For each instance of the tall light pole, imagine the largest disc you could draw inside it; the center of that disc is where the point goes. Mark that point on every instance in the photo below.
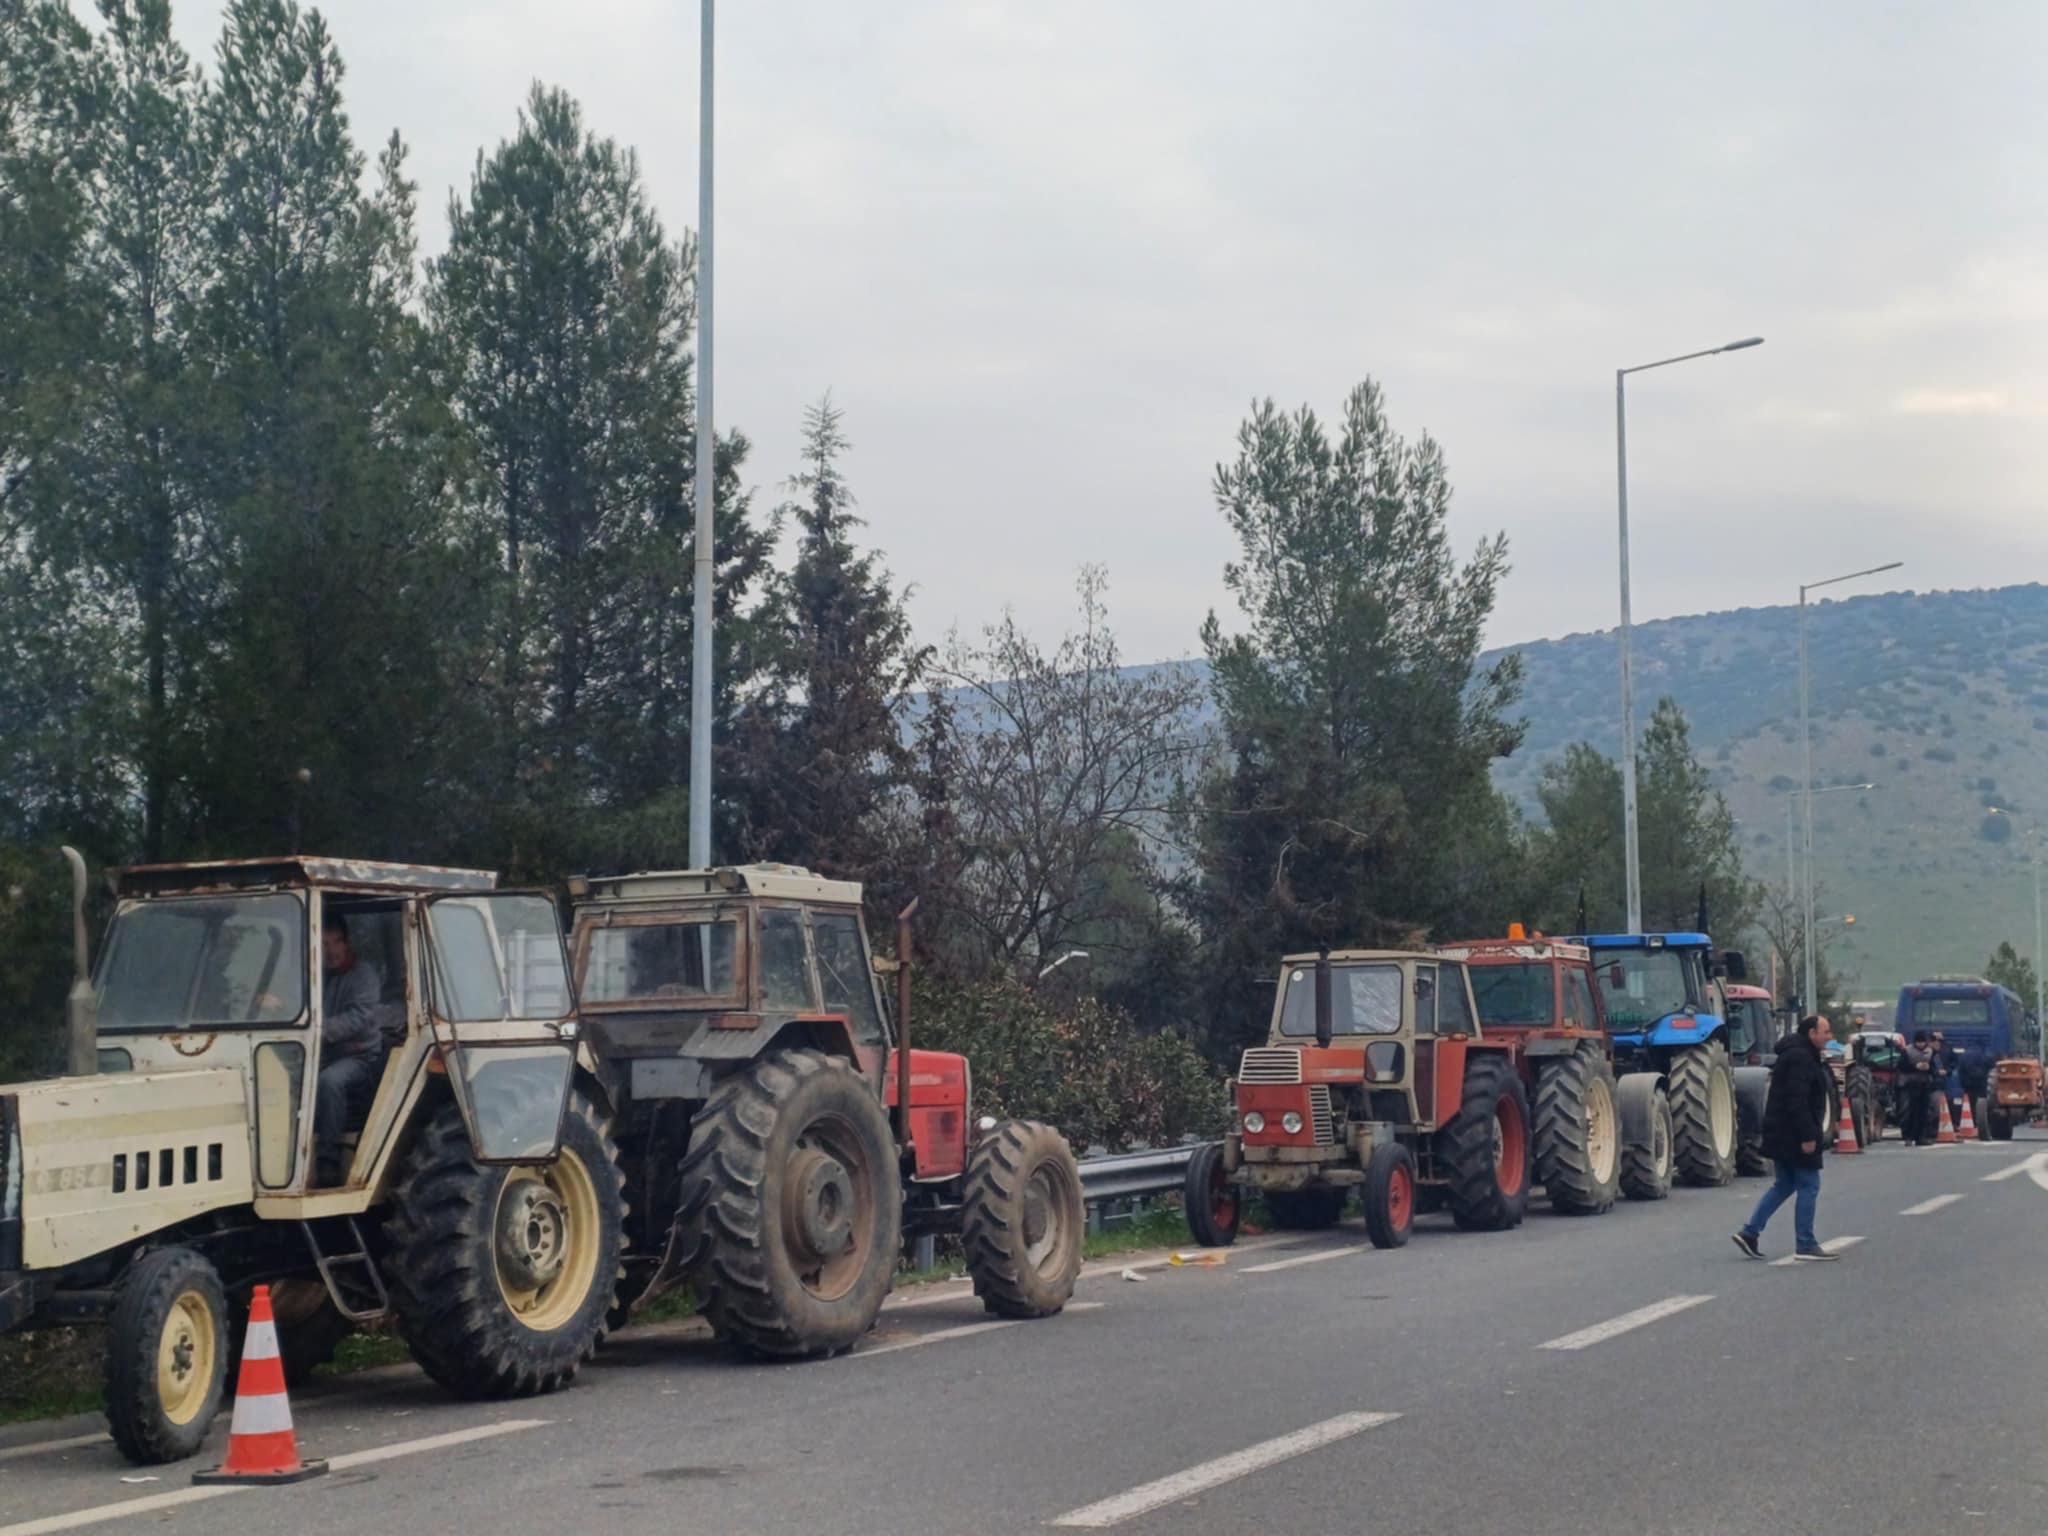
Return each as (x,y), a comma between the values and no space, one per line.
(1806,747)
(1628,682)
(705,566)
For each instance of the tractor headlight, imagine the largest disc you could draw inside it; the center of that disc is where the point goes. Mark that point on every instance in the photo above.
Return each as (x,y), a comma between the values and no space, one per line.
(1254,1122)
(1291,1123)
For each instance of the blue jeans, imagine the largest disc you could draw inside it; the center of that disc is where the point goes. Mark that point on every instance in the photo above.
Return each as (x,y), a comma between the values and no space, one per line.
(1791,1180)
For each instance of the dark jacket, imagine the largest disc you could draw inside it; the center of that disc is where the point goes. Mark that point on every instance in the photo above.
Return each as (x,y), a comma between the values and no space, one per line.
(1796,1109)
(349,1024)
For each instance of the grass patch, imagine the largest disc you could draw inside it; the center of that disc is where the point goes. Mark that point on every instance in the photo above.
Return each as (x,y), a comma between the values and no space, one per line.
(50,1374)
(1163,1228)
(366,1352)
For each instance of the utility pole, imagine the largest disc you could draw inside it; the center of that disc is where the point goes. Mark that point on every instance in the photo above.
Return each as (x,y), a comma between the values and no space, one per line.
(705,565)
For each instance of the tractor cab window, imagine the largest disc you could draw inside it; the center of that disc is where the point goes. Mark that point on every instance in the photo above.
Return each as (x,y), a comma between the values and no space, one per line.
(1453,1012)
(845,979)
(1364,1000)
(1425,1000)
(1513,994)
(191,964)
(687,962)
(1578,998)
(497,957)
(1642,986)
(785,963)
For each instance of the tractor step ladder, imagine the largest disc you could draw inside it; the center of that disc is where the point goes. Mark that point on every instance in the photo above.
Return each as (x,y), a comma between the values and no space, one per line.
(367,1282)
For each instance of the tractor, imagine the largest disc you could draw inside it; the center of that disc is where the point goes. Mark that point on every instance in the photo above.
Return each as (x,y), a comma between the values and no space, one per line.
(1668,1010)
(2012,1097)
(777,1146)
(171,1170)
(1991,1036)
(1377,1075)
(1538,994)
(1870,1083)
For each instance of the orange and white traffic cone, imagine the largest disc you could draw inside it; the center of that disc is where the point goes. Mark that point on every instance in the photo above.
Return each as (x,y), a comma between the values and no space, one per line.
(1967,1131)
(1946,1136)
(1845,1133)
(262,1446)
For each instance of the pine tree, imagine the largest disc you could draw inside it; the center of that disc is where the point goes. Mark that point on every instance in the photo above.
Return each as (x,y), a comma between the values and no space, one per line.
(823,750)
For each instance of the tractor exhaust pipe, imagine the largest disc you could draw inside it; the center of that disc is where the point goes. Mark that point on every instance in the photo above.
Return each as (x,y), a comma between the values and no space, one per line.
(81,1005)
(1323,999)
(903,1026)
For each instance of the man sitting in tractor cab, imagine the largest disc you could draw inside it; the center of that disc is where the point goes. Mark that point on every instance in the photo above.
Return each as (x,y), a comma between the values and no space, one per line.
(351,1046)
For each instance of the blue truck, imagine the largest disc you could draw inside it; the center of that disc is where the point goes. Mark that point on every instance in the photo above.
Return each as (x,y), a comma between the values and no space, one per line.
(1982,1025)
(1697,1070)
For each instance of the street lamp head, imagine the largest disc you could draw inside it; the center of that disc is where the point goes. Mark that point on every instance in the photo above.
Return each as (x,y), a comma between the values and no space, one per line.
(1747,341)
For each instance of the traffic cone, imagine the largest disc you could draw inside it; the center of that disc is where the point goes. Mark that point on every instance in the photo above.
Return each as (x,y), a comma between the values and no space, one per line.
(262,1447)
(1845,1133)
(1967,1131)
(1946,1136)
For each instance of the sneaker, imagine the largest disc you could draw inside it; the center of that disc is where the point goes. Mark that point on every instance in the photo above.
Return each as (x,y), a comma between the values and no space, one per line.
(1816,1256)
(1746,1241)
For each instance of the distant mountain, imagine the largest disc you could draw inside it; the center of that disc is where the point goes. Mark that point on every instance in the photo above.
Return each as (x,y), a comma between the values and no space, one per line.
(1941,699)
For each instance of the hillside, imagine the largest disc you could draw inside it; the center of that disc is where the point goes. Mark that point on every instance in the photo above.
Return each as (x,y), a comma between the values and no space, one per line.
(1940,699)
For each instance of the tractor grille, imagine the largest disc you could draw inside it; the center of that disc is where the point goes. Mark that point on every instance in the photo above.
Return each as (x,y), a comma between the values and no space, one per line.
(1276,1064)
(1319,1117)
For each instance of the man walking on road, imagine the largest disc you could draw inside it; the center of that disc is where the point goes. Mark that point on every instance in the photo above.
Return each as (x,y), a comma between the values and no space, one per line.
(1795,1119)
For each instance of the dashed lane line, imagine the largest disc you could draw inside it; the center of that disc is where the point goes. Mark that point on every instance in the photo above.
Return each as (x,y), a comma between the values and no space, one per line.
(151,1504)
(1628,1322)
(1212,1474)
(1828,1245)
(941,1335)
(1929,1207)
(1306,1258)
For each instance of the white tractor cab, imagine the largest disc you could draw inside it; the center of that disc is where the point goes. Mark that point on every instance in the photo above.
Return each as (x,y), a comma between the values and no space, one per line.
(155,1192)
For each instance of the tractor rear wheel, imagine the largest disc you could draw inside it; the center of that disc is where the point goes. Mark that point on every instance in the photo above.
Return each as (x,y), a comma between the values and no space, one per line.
(1484,1151)
(1210,1199)
(1646,1162)
(1703,1114)
(1021,1219)
(1304,1210)
(1752,1092)
(791,1205)
(500,1277)
(1578,1133)
(1997,1124)
(167,1355)
(1859,1086)
(1389,1195)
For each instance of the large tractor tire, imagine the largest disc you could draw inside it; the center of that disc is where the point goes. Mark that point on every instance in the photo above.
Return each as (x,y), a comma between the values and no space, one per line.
(1703,1114)
(1996,1123)
(1485,1151)
(1210,1199)
(1021,1220)
(1578,1133)
(791,1206)
(167,1356)
(1645,1155)
(501,1277)
(1389,1195)
(1304,1210)
(1859,1084)
(1752,1091)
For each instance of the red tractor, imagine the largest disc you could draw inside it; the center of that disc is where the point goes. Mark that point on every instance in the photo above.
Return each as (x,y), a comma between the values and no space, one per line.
(1539,996)
(1377,1075)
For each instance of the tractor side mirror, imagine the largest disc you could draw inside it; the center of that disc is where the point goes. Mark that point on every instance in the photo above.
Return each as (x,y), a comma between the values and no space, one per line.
(1734,967)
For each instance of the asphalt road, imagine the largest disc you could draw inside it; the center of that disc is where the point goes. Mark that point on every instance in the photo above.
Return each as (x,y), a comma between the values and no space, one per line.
(1627,1373)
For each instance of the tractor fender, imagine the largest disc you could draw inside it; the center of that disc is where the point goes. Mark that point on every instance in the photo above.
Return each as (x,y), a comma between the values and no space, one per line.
(1752,1088)
(1665,1035)
(1635,1099)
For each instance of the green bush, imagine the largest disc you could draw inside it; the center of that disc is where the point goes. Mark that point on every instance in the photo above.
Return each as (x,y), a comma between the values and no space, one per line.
(1084,1067)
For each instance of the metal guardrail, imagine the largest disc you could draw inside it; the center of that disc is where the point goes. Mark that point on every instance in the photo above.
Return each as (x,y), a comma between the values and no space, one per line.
(1132,1175)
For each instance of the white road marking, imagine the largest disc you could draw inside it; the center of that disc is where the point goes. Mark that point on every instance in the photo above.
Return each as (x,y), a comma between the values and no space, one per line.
(1210,1474)
(1600,1332)
(2026,1165)
(1929,1207)
(38,1448)
(1306,1258)
(177,1497)
(1828,1245)
(941,1335)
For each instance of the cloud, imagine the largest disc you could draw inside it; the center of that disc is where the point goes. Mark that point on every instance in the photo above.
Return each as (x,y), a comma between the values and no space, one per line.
(1955,402)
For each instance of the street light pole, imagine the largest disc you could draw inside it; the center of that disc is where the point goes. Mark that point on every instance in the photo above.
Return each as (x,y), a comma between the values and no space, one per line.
(1806,748)
(1631,846)
(705,565)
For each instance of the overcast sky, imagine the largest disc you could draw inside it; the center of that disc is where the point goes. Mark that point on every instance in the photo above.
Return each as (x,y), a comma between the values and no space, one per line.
(1044,253)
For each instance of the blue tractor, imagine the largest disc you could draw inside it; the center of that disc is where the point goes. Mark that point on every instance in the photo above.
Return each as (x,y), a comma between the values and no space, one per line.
(1670,1019)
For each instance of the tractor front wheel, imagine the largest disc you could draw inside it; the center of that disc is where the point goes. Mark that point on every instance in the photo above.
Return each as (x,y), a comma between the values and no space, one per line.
(167,1356)
(1484,1152)
(1703,1114)
(792,1206)
(1996,1123)
(500,1277)
(1578,1133)
(1021,1220)
(1646,1157)
(1859,1086)
(1389,1195)
(1210,1199)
